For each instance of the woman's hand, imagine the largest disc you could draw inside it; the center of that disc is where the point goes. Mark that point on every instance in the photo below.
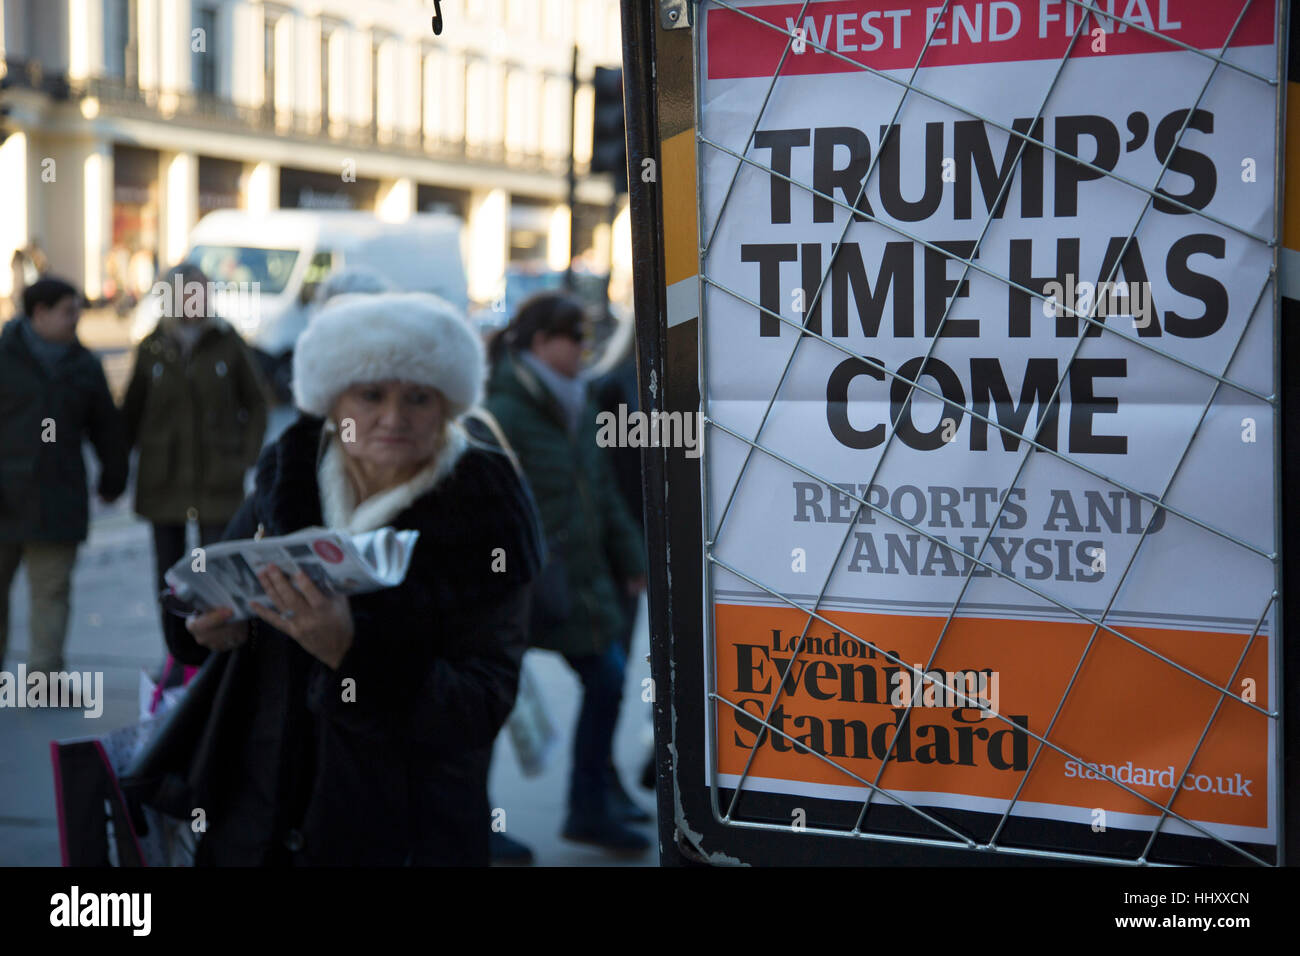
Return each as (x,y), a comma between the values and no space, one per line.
(215,631)
(322,625)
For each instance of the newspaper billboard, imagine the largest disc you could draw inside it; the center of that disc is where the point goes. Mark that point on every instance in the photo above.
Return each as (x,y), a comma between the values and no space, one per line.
(1001,542)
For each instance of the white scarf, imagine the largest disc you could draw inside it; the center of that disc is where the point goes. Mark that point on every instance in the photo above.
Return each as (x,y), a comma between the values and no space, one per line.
(338,500)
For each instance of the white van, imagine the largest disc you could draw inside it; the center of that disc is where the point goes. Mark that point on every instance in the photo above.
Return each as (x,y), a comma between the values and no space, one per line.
(288,252)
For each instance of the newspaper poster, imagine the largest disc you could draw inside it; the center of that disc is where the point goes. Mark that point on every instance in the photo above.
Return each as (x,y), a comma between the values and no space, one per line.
(1000,566)
(225,574)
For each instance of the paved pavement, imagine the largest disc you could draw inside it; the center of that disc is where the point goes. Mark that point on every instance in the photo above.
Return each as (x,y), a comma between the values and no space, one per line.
(114,629)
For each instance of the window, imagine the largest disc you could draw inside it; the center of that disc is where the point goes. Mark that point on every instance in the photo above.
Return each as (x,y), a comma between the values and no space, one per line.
(122,53)
(497,120)
(204,62)
(522,127)
(520,15)
(268,63)
(484,105)
(476,105)
(318,270)
(324,81)
(613,32)
(558,16)
(269,267)
(444,108)
(556,128)
(430,122)
(374,84)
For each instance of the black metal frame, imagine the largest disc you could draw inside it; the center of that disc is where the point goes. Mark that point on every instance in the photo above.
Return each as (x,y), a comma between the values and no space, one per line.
(667,364)
(641,125)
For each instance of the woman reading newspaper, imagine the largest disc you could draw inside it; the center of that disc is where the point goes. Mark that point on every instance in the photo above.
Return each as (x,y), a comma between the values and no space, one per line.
(358,730)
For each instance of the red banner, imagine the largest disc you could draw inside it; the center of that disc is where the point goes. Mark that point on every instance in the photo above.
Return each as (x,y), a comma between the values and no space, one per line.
(890,34)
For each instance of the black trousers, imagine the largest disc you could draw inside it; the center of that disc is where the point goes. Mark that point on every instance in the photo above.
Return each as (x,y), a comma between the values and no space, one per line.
(169,547)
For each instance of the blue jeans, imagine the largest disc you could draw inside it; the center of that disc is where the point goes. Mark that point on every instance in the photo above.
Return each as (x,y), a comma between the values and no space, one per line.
(593,738)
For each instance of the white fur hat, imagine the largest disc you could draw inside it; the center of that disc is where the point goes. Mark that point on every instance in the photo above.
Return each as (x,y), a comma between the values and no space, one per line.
(404,336)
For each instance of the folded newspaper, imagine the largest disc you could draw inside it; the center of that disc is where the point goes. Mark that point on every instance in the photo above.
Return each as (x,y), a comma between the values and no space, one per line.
(225,574)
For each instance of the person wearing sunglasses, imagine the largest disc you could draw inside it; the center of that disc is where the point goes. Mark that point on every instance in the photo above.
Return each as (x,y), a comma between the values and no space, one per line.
(538,395)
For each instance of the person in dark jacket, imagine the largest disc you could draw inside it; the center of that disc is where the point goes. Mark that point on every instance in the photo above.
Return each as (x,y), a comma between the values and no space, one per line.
(541,402)
(52,395)
(618,387)
(357,731)
(196,406)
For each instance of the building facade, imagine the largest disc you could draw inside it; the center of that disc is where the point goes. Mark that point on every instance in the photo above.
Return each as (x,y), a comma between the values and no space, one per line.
(127,120)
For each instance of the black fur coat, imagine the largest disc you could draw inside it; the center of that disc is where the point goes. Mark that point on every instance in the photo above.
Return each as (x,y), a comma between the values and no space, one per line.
(288,771)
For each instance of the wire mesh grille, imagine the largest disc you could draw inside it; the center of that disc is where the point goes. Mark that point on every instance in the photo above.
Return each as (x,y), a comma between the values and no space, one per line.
(935,826)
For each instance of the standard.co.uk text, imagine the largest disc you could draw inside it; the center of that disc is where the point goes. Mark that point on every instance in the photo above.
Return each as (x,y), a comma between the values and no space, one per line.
(1164,778)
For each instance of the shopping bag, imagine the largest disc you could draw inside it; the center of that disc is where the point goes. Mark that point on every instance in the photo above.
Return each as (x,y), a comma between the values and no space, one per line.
(532,732)
(100,825)
(95,826)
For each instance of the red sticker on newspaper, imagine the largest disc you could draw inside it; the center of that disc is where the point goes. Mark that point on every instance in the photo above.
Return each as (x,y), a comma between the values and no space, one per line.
(328,551)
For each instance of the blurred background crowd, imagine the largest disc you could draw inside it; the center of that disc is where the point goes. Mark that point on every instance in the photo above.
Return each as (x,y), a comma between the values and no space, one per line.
(275,157)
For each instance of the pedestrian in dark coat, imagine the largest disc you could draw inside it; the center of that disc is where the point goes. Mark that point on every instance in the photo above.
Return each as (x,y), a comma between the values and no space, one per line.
(582,510)
(618,387)
(539,398)
(53,394)
(358,730)
(196,407)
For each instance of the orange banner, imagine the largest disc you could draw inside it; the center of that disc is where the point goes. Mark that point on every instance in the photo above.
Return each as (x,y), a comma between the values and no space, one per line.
(1129,714)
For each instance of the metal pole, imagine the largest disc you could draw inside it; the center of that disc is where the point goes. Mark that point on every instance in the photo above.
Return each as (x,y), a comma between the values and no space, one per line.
(640,102)
(1286,351)
(573,171)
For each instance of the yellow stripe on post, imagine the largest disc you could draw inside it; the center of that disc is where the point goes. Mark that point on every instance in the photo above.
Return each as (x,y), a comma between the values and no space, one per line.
(1291,199)
(681,228)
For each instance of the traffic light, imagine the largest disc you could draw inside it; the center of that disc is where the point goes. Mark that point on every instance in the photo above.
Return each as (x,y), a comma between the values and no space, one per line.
(608,144)
(6,81)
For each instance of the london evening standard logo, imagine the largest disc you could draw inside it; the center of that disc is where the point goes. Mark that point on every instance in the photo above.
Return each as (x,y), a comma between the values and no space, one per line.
(70,689)
(75,908)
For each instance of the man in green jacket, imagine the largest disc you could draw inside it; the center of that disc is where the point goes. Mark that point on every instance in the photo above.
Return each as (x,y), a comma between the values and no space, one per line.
(196,406)
(541,402)
(52,395)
